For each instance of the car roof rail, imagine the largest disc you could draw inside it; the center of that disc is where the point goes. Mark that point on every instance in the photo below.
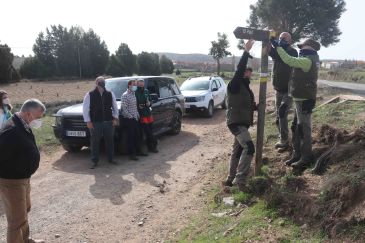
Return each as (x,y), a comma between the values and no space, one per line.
(213,76)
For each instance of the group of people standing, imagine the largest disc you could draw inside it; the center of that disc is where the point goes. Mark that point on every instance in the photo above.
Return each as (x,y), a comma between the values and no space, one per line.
(101,114)
(294,80)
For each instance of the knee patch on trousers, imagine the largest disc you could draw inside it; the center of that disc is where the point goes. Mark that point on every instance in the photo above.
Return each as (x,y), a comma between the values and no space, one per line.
(250,148)
(239,152)
(282,110)
(294,124)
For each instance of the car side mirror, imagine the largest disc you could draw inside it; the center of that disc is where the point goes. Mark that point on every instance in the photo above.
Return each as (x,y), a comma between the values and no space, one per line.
(214,89)
(153,97)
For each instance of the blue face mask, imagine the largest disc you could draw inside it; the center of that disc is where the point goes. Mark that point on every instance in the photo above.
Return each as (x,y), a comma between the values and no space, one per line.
(283,43)
(134,88)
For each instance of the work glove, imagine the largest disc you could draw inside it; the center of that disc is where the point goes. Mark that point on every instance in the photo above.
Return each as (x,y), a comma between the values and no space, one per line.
(283,43)
(274,42)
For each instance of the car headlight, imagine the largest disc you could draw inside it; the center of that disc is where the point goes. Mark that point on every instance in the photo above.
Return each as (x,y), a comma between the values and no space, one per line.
(199,98)
(58,120)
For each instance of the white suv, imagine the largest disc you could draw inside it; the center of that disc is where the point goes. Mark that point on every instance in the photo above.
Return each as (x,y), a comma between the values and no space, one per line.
(204,94)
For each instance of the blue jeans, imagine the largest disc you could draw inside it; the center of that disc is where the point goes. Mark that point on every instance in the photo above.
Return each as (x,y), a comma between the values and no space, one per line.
(106,130)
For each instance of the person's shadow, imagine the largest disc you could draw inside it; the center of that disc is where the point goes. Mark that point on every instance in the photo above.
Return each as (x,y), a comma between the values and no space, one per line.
(110,180)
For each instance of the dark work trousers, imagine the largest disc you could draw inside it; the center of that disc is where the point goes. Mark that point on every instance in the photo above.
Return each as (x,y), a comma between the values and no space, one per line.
(150,138)
(283,104)
(133,135)
(302,130)
(242,154)
(106,130)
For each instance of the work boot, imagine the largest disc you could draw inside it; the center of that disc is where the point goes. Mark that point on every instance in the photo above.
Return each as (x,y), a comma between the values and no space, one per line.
(133,157)
(141,154)
(300,164)
(94,165)
(292,160)
(111,161)
(281,144)
(227,183)
(153,150)
(36,241)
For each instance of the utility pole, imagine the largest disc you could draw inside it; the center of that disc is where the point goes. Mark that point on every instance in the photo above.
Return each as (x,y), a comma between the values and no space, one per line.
(263,36)
(78,55)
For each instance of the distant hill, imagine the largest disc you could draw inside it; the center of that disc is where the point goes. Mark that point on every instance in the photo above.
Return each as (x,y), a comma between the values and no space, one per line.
(195,58)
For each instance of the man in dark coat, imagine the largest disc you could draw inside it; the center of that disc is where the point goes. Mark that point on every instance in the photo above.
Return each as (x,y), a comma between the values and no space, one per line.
(19,160)
(241,106)
(282,74)
(146,118)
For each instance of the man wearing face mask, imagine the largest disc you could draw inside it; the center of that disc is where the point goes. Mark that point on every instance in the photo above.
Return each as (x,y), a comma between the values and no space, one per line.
(303,89)
(131,117)
(146,119)
(19,160)
(101,114)
(282,73)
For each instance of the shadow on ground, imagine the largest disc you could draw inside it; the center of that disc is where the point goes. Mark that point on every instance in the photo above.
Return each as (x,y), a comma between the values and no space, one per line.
(109,181)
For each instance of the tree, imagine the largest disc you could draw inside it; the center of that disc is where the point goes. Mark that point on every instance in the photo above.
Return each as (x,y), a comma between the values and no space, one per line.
(148,64)
(6,63)
(219,49)
(302,18)
(167,66)
(69,53)
(123,63)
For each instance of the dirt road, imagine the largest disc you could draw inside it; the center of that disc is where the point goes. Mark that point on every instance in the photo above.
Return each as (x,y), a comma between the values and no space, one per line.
(77,204)
(143,201)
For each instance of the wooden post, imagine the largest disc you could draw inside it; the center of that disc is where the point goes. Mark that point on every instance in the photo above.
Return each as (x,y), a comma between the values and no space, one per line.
(261,108)
(263,36)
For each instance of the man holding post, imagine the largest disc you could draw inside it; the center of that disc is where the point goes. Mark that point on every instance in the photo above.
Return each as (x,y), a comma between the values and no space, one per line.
(282,73)
(241,106)
(303,89)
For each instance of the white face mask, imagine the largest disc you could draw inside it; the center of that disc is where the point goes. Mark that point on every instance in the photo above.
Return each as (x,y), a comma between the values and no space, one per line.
(36,123)
(6,101)
(134,88)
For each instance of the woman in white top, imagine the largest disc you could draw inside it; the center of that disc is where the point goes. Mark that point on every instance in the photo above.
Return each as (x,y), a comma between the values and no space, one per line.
(5,108)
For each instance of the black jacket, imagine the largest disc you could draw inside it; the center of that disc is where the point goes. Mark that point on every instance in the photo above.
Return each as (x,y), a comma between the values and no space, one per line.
(241,100)
(19,155)
(101,106)
(282,73)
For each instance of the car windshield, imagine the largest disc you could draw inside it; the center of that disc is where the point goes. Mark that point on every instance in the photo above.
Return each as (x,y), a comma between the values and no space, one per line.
(117,86)
(195,85)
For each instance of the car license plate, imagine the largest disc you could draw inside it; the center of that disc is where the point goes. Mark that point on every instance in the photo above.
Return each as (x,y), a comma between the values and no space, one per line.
(187,106)
(76,133)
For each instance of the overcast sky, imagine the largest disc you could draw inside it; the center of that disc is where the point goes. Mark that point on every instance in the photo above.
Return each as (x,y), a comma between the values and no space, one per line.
(156,25)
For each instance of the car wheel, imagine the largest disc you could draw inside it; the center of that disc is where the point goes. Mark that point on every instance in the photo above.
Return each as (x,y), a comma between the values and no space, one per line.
(224,104)
(176,123)
(210,110)
(71,148)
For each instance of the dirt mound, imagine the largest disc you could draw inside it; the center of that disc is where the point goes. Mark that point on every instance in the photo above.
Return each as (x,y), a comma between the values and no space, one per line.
(335,201)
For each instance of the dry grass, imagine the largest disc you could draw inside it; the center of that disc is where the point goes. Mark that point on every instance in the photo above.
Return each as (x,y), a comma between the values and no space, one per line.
(49,92)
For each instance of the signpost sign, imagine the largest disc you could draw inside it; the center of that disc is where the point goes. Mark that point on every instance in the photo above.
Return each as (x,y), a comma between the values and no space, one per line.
(263,36)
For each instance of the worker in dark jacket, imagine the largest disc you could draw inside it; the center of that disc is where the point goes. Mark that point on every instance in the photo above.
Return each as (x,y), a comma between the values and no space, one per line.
(145,114)
(303,89)
(19,160)
(100,112)
(282,73)
(241,106)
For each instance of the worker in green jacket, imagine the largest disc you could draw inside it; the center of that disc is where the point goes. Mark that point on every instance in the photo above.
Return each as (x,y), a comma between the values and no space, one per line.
(303,89)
